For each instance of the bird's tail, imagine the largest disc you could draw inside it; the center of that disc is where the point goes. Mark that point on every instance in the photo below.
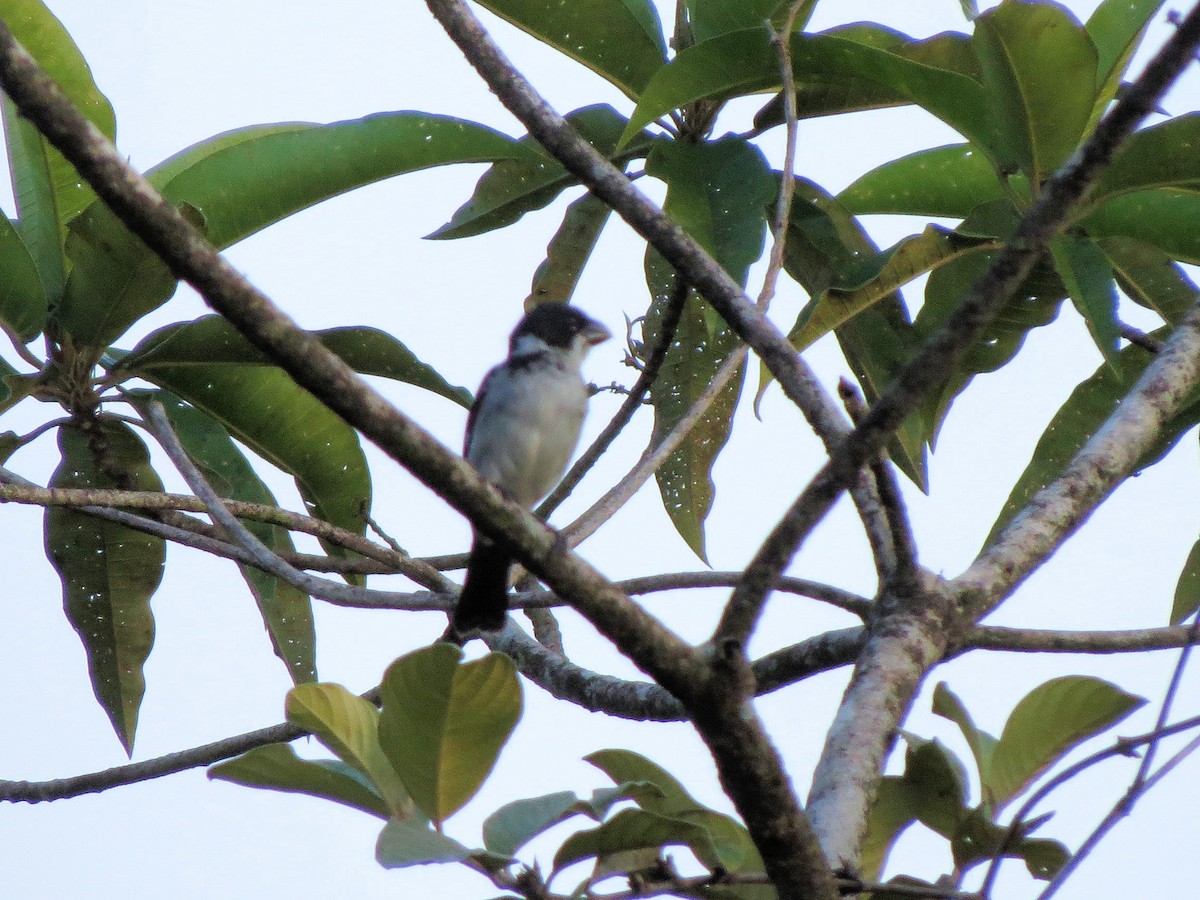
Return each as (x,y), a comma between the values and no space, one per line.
(483,603)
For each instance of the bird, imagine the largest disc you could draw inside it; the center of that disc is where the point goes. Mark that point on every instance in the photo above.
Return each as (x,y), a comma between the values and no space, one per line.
(521,433)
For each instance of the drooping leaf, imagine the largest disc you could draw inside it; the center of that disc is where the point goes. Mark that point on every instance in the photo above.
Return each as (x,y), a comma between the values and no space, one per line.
(235,187)
(946,181)
(1084,270)
(411,842)
(286,610)
(744,62)
(1165,218)
(890,815)
(1048,722)
(634,829)
(443,724)
(512,187)
(569,250)
(1039,69)
(1116,28)
(619,40)
(263,408)
(1074,424)
(513,825)
(23,300)
(718,192)
(1150,278)
(938,787)
(982,744)
(873,279)
(108,571)
(40,173)
(604,799)
(278,768)
(37,221)
(711,18)
(212,339)
(1043,857)
(349,726)
(1187,588)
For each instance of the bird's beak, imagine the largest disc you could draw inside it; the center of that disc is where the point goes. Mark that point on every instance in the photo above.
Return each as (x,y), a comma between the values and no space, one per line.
(595,333)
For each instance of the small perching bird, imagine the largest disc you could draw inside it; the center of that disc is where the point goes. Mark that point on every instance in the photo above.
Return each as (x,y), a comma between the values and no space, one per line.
(521,433)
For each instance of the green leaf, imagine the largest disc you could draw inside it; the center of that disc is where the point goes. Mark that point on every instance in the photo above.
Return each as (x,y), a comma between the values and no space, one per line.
(1167,219)
(719,193)
(634,829)
(349,726)
(946,181)
(264,409)
(1039,69)
(1164,155)
(1187,589)
(23,301)
(48,42)
(512,187)
(278,768)
(1085,271)
(712,18)
(1049,722)
(871,280)
(619,40)
(982,744)
(1073,425)
(1150,278)
(569,250)
(1116,28)
(212,339)
(938,787)
(822,241)
(1043,857)
(603,799)
(38,222)
(237,186)
(744,62)
(443,724)
(108,572)
(890,815)
(286,610)
(411,842)
(625,767)
(513,825)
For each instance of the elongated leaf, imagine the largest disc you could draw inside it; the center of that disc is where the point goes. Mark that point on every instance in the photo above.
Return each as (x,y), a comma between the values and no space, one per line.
(286,610)
(412,842)
(1150,278)
(513,825)
(625,766)
(212,339)
(620,40)
(1116,28)
(278,768)
(1084,269)
(938,785)
(719,193)
(236,185)
(1039,67)
(443,724)
(946,181)
(1165,218)
(744,62)
(268,412)
(982,744)
(1187,589)
(23,300)
(512,187)
(1164,155)
(1072,426)
(108,572)
(1048,722)
(634,829)
(890,815)
(35,169)
(569,250)
(871,280)
(711,18)
(38,222)
(349,726)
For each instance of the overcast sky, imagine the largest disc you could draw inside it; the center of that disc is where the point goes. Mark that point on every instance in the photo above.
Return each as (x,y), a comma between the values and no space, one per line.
(179,72)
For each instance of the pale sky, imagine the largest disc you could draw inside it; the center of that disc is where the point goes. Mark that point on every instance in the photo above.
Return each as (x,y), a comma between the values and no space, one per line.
(179,72)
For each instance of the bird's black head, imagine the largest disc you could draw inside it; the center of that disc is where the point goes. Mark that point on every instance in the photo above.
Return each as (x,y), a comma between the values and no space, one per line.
(559,326)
